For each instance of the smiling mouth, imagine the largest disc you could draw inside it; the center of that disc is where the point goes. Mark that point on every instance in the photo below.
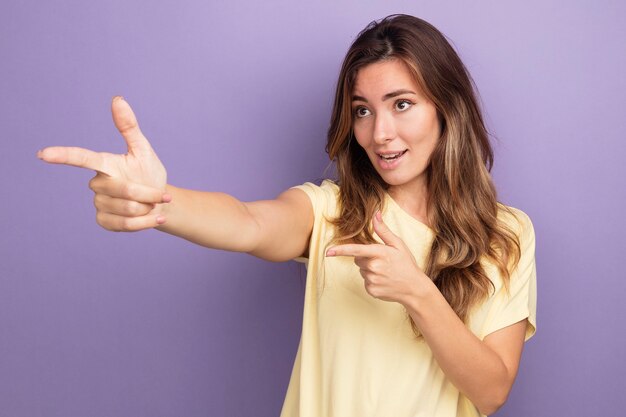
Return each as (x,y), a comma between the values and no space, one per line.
(392,157)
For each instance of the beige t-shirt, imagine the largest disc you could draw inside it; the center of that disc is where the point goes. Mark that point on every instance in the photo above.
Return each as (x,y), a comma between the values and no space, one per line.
(358,356)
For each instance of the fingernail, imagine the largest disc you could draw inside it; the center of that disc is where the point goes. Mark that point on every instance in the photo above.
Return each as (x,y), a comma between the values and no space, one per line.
(167,198)
(118,98)
(160,219)
(379,216)
(330,252)
(40,154)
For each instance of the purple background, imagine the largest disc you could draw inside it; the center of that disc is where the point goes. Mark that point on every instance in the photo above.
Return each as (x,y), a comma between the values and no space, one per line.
(235,97)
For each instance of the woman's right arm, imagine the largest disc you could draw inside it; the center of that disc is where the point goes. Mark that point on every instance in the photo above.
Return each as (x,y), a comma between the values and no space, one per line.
(276,230)
(131,193)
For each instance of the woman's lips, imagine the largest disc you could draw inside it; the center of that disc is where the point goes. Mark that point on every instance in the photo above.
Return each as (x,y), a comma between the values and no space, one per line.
(391,163)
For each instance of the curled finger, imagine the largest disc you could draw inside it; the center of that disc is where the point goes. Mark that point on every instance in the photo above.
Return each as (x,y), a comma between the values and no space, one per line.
(117,223)
(121,207)
(113,187)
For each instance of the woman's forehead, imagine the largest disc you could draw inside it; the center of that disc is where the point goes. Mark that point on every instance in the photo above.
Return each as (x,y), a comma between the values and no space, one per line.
(382,77)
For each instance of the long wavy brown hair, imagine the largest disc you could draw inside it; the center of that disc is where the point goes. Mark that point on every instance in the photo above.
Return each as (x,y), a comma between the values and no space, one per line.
(462,204)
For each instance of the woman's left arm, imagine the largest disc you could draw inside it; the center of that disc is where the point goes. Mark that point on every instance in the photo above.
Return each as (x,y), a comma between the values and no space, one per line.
(483,370)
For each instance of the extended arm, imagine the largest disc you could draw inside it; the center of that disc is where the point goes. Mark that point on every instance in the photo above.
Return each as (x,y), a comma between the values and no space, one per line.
(275,230)
(131,193)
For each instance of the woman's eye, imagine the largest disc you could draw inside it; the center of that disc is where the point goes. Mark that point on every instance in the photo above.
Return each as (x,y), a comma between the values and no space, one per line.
(403,105)
(361,112)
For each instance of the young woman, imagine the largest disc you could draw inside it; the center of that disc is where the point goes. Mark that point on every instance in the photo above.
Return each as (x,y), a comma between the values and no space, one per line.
(420,285)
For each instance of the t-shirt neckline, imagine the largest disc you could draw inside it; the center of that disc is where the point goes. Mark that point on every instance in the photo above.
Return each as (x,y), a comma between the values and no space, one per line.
(410,218)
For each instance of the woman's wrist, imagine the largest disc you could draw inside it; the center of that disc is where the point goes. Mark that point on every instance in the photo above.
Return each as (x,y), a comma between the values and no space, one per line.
(422,290)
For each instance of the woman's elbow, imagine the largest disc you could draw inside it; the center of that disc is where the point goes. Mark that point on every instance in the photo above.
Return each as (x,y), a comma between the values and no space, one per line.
(495,401)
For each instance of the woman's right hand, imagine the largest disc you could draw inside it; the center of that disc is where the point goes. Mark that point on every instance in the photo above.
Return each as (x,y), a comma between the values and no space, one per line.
(129,189)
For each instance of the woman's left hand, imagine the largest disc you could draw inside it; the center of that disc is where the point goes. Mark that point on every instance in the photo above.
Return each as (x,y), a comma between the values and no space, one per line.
(389,270)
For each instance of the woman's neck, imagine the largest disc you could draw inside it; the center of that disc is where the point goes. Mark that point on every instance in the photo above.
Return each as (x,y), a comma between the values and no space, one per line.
(413,200)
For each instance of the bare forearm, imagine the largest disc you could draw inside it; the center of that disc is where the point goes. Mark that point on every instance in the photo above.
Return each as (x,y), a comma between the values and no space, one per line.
(472,366)
(212,219)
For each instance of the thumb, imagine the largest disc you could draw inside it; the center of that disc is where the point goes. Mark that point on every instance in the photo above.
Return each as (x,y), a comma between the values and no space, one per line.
(126,122)
(387,236)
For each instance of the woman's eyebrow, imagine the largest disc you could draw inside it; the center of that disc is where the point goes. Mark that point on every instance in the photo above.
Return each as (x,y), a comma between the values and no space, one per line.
(386,96)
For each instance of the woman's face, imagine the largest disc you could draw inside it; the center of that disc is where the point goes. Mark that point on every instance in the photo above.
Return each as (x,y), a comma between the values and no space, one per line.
(395,124)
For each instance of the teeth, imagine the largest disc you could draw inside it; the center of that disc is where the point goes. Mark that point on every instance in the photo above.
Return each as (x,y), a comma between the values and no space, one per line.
(391,156)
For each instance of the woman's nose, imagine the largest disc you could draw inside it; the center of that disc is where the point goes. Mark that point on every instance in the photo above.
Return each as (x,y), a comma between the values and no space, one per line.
(384,129)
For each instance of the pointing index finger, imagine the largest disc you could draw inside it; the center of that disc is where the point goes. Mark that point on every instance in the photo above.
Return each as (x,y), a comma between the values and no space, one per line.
(78,157)
(367,251)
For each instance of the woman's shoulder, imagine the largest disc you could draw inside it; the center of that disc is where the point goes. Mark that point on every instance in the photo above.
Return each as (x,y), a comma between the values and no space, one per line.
(516,219)
(326,189)
(324,196)
(330,186)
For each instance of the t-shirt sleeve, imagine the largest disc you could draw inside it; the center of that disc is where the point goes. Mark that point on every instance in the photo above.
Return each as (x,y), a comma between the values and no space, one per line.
(319,196)
(520,302)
